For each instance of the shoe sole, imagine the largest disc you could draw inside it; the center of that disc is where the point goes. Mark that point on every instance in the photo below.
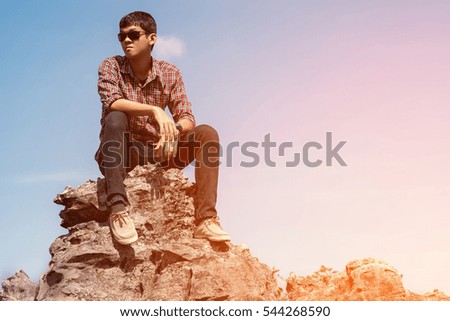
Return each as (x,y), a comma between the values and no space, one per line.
(213,239)
(127,241)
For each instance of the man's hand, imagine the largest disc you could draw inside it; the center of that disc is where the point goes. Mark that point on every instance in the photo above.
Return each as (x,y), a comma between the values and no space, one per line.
(166,147)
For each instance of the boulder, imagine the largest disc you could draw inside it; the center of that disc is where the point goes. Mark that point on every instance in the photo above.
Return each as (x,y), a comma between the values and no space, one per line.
(18,288)
(372,279)
(166,263)
(365,279)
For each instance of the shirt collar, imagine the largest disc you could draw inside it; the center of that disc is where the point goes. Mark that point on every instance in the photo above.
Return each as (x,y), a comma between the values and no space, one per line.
(156,69)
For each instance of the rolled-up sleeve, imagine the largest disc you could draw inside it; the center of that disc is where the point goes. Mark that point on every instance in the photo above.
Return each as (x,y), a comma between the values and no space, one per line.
(179,104)
(108,83)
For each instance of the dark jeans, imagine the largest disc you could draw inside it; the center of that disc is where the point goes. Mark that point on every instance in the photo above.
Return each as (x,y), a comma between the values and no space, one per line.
(117,156)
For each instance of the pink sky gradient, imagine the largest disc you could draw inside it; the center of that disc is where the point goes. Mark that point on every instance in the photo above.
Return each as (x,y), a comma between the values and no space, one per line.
(385,90)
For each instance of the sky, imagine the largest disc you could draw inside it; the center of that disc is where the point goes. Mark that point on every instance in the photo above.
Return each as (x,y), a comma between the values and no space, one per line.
(374,74)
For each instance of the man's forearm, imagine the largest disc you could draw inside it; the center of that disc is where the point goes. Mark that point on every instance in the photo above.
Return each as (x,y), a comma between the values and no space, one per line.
(186,124)
(132,108)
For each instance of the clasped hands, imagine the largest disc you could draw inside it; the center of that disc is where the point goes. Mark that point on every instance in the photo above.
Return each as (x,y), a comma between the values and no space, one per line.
(166,148)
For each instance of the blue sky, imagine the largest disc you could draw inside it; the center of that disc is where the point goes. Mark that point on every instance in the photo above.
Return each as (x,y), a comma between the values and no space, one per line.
(375,74)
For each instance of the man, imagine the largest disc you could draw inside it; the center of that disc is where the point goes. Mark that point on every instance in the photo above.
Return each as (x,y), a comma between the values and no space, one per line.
(134,90)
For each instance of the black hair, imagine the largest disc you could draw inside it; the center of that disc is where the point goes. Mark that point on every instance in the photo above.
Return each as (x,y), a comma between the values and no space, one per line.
(140,19)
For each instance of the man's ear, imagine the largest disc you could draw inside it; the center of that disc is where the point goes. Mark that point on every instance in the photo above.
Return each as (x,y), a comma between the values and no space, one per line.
(152,39)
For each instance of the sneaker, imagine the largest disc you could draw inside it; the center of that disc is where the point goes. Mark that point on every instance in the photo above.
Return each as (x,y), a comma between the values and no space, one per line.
(122,228)
(211,230)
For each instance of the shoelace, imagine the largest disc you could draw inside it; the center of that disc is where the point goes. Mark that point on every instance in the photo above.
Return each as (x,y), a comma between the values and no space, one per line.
(215,220)
(119,217)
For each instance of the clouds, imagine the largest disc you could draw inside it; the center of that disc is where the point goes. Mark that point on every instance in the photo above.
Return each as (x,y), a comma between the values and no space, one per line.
(167,47)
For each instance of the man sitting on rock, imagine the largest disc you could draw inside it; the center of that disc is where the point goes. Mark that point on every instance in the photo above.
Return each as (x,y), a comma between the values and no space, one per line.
(134,90)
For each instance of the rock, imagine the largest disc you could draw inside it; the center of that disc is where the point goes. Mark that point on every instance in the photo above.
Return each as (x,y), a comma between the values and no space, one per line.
(365,279)
(83,204)
(323,285)
(436,295)
(18,288)
(373,279)
(166,263)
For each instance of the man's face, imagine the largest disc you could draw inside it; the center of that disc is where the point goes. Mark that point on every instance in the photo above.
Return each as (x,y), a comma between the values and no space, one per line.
(135,42)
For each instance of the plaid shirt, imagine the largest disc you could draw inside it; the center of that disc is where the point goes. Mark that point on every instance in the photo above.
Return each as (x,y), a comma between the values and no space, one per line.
(163,88)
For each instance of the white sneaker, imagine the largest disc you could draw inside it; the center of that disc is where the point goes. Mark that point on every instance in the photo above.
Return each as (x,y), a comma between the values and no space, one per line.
(122,228)
(211,230)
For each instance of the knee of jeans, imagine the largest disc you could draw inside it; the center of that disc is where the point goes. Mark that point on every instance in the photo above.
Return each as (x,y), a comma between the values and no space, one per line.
(116,120)
(208,132)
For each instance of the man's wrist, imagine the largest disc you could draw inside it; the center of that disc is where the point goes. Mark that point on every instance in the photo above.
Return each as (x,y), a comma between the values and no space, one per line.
(152,110)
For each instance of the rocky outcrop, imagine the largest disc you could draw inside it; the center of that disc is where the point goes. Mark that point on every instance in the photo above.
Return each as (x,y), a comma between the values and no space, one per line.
(365,279)
(166,263)
(18,288)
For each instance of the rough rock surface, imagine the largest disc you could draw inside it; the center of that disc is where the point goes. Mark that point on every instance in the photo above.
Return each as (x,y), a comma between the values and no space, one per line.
(18,288)
(365,279)
(166,263)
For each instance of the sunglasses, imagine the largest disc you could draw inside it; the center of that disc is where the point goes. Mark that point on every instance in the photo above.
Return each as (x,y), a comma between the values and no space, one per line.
(133,35)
